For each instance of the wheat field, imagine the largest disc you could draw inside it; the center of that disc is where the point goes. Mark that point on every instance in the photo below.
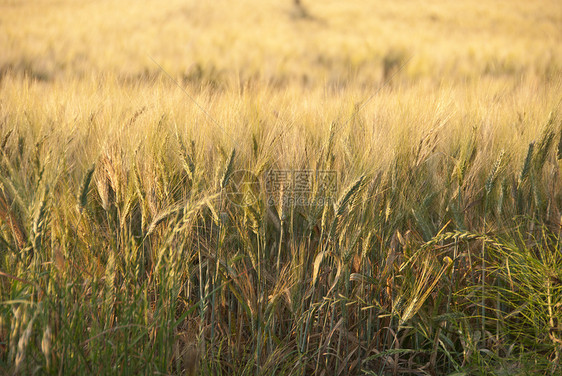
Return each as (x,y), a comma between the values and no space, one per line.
(280,187)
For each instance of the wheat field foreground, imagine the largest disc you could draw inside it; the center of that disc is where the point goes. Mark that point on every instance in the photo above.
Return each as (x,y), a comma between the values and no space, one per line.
(280,187)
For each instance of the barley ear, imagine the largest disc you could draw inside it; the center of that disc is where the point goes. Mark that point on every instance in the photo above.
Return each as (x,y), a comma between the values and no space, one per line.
(543,147)
(559,148)
(344,201)
(255,146)
(141,194)
(83,192)
(162,217)
(5,139)
(187,161)
(229,169)
(39,220)
(527,164)
(490,181)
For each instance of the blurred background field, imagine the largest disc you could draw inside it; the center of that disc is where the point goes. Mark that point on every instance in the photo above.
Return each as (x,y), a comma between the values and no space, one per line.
(123,125)
(332,43)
